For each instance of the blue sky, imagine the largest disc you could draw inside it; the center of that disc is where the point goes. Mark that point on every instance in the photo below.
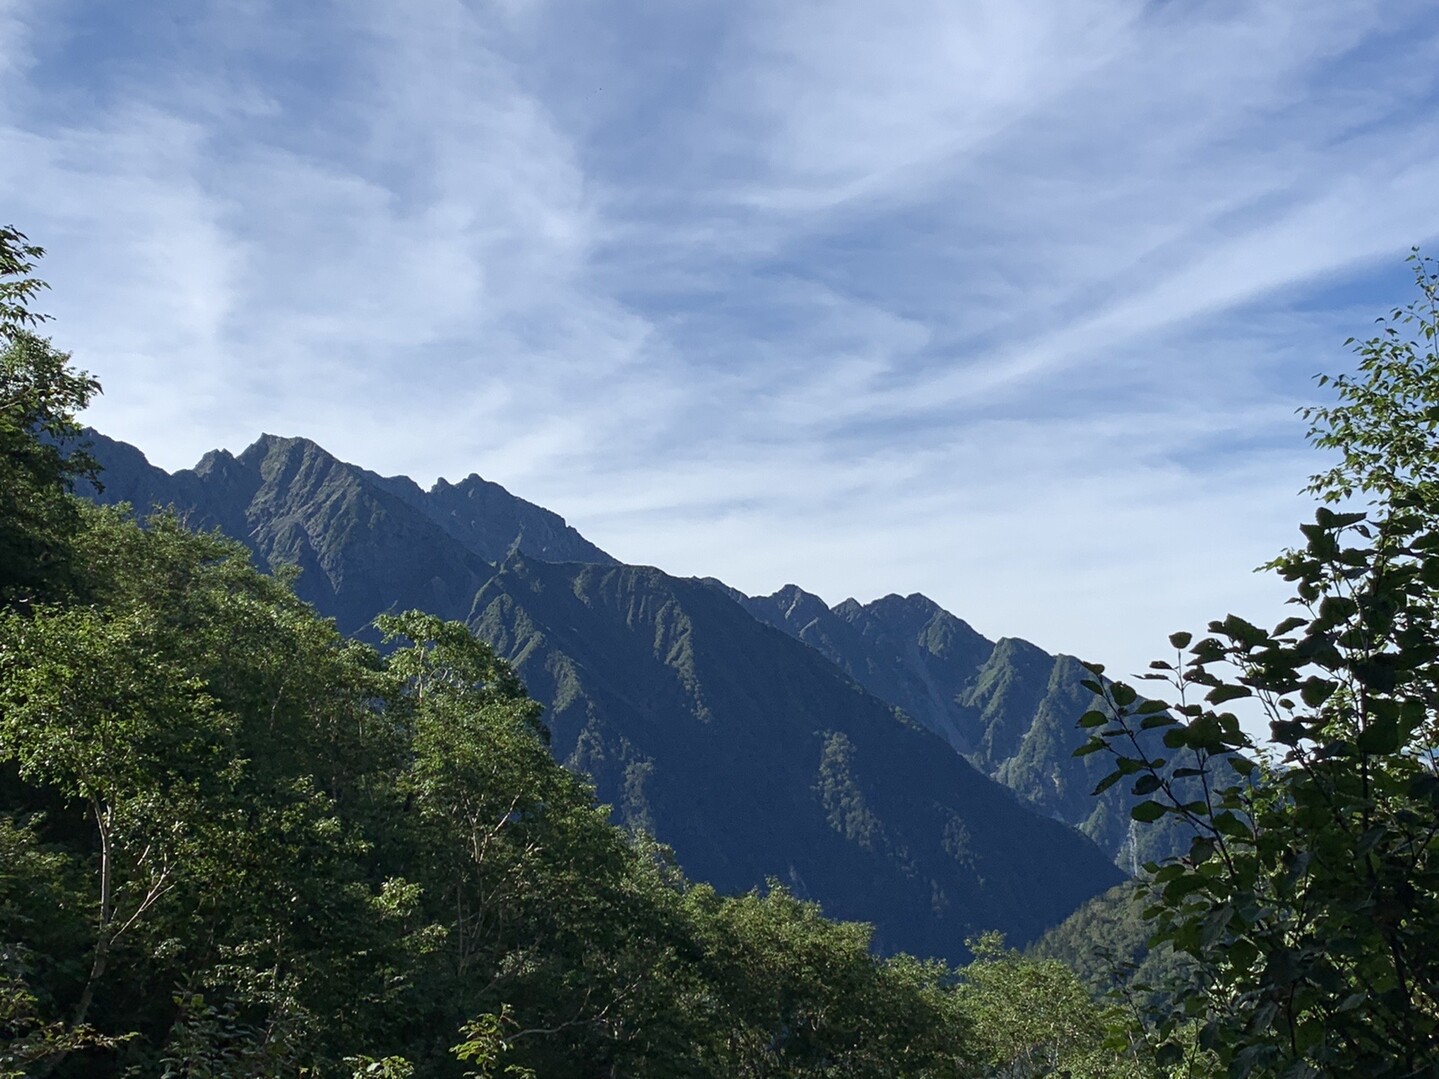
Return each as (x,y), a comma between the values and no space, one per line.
(1010,303)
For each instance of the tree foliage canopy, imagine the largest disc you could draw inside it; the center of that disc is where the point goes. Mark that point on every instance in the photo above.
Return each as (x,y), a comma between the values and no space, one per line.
(40,393)
(1309,898)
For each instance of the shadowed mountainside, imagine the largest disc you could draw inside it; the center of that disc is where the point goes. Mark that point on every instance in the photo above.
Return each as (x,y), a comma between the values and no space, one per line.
(1008,707)
(364,543)
(753,754)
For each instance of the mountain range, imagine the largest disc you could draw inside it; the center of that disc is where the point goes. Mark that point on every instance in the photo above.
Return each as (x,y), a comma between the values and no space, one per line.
(883,758)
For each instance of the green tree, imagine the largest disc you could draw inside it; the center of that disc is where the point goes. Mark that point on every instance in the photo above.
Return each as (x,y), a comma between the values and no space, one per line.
(40,394)
(193,761)
(791,993)
(1034,1017)
(1309,898)
(1105,942)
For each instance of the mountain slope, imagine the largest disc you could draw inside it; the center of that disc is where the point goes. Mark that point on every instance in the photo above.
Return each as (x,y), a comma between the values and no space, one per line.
(911,653)
(749,752)
(753,756)
(360,549)
(367,543)
(1009,707)
(488,520)
(364,543)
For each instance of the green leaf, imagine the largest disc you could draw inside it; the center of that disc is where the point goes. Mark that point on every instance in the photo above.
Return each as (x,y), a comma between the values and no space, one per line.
(1228,823)
(1169,1055)
(1209,650)
(1424,787)
(1105,783)
(1371,838)
(1147,784)
(1380,737)
(1246,633)
(1328,519)
(1288,626)
(1221,694)
(1314,691)
(1177,737)
(1429,572)
(1334,609)
(1377,673)
(1148,812)
(1177,889)
(1287,732)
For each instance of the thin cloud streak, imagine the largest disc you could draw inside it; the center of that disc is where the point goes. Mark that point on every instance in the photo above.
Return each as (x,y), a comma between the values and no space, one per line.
(977,300)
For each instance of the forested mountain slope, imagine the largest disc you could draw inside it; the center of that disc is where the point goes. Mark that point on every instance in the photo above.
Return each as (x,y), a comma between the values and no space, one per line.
(751,754)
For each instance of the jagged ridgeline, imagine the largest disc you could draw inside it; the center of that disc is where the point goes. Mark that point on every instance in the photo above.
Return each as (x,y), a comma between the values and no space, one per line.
(756,744)
(1006,706)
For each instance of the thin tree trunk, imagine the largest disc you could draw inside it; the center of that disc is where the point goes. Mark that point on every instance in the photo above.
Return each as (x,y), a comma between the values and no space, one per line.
(102,934)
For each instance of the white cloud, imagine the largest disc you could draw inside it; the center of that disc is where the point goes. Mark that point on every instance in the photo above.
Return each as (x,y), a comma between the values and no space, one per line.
(850,99)
(1008,303)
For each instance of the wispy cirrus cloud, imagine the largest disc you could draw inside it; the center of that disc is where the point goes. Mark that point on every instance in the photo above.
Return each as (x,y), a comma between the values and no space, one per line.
(1008,303)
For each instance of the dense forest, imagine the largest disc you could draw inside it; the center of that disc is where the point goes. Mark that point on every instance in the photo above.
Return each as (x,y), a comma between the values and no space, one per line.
(237,842)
